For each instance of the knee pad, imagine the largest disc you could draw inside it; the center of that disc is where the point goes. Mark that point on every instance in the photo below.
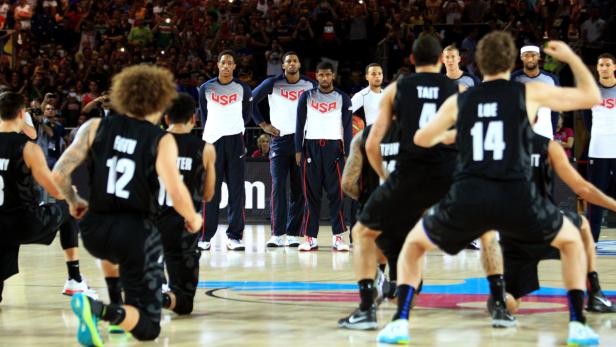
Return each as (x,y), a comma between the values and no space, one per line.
(183,304)
(146,329)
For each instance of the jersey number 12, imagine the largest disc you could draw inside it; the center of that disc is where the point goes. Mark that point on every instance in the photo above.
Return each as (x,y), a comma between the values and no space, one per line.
(493,140)
(116,186)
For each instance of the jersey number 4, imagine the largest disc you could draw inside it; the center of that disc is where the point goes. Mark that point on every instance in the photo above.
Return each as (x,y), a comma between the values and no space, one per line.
(1,191)
(117,186)
(428,111)
(493,140)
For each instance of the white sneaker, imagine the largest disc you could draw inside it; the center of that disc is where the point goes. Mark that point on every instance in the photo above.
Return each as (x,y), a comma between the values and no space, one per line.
(235,245)
(275,241)
(292,241)
(338,244)
(71,287)
(395,333)
(204,245)
(581,335)
(309,245)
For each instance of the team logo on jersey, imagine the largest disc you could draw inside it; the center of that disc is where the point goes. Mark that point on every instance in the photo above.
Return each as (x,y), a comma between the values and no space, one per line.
(291,94)
(224,99)
(323,107)
(608,103)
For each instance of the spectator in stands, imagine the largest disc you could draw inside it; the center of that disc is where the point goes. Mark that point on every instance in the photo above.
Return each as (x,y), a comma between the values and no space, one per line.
(51,135)
(565,137)
(263,147)
(592,33)
(91,94)
(23,15)
(140,34)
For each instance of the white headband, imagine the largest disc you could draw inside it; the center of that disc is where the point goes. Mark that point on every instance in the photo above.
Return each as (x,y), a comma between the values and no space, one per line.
(534,49)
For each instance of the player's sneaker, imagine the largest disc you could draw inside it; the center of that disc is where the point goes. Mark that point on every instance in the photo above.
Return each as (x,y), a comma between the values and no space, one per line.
(501,318)
(292,241)
(204,245)
(72,287)
(475,245)
(275,241)
(339,245)
(581,335)
(235,245)
(395,333)
(310,244)
(360,320)
(379,285)
(597,302)
(87,333)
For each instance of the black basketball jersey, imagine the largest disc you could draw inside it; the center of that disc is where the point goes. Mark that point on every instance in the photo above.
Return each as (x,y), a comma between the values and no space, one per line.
(190,164)
(18,189)
(417,99)
(494,134)
(542,171)
(122,166)
(390,147)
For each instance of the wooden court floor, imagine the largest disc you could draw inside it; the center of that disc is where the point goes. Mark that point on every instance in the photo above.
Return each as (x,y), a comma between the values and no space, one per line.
(281,297)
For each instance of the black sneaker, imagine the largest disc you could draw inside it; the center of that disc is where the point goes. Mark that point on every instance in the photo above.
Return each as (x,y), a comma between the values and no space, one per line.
(501,318)
(597,302)
(360,320)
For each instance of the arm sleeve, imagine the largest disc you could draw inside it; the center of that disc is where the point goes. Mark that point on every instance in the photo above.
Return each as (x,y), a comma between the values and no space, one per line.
(301,121)
(264,89)
(347,122)
(247,104)
(202,105)
(357,101)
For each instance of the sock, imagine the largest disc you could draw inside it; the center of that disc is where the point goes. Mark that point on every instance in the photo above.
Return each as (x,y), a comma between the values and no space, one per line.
(111,313)
(405,294)
(366,293)
(73,270)
(592,282)
(497,289)
(114,287)
(382,267)
(166,300)
(576,306)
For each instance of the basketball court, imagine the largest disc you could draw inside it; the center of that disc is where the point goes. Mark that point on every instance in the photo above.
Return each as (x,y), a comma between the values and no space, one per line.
(281,297)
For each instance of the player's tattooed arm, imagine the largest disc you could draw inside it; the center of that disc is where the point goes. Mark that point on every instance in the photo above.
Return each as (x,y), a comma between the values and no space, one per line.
(491,255)
(74,155)
(352,168)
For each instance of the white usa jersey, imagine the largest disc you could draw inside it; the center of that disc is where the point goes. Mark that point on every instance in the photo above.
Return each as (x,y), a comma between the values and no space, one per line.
(543,126)
(224,108)
(603,132)
(370,101)
(282,97)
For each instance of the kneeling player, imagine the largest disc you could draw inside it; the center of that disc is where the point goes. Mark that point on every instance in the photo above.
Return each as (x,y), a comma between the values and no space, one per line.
(521,270)
(196,165)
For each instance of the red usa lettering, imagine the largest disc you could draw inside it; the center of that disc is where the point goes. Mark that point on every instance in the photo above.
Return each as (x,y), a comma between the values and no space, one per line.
(291,94)
(323,107)
(224,99)
(608,103)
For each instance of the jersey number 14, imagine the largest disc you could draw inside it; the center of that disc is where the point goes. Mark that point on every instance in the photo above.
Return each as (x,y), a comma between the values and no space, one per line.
(493,140)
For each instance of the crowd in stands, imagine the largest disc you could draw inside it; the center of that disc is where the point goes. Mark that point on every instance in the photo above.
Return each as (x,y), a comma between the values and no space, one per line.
(68,50)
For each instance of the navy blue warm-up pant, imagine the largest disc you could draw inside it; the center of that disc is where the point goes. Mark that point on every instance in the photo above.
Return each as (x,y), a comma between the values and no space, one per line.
(602,173)
(322,165)
(282,165)
(230,153)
